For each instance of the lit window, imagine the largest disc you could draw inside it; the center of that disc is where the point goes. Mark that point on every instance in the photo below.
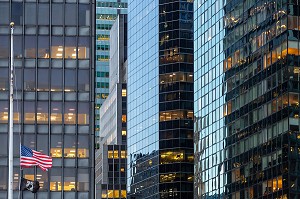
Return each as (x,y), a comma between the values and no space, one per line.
(116,154)
(123,154)
(124,92)
(110,154)
(123,118)
(56,152)
(123,132)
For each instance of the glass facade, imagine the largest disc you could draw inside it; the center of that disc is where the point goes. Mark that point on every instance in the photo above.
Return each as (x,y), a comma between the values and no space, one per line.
(112,153)
(53,95)
(208,99)
(260,89)
(160,99)
(106,14)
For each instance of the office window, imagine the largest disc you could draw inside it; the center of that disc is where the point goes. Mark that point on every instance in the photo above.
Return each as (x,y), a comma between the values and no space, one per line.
(30,47)
(4,46)
(69,144)
(55,179)
(57,14)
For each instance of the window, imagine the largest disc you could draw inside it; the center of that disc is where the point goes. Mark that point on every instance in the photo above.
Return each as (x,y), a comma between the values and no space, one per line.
(56,113)
(110,154)
(69,144)
(84,15)
(124,118)
(56,146)
(29,112)
(70,49)
(43,47)
(83,146)
(70,10)
(55,179)
(43,14)
(30,47)
(124,92)
(42,112)
(69,179)
(123,154)
(57,47)
(30,13)
(57,14)
(56,79)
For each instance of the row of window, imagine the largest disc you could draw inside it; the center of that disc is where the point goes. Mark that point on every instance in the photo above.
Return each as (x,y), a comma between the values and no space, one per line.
(102,47)
(175,115)
(40,47)
(40,14)
(43,118)
(47,80)
(102,58)
(175,77)
(115,154)
(100,96)
(106,16)
(113,194)
(103,26)
(111,4)
(102,74)
(102,85)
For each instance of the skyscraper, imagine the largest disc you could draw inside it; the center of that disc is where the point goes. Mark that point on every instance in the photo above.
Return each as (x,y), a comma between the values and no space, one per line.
(257,119)
(111,155)
(160,99)
(53,111)
(208,99)
(106,14)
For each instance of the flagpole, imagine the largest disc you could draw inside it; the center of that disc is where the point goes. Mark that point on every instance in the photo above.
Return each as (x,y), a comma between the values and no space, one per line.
(11,116)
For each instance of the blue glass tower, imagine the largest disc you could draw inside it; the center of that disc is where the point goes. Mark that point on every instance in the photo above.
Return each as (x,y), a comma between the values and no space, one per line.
(160,99)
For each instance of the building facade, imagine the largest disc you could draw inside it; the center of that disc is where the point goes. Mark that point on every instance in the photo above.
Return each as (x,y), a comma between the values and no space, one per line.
(208,99)
(258,157)
(106,14)
(111,155)
(53,95)
(160,99)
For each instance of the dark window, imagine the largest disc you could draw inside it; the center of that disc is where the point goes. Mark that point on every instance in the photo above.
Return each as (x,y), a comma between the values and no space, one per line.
(56,80)
(4,13)
(83,80)
(30,13)
(29,79)
(17,13)
(70,14)
(4,46)
(84,15)
(30,46)
(57,14)
(43,79)
(43,14)
(70,80)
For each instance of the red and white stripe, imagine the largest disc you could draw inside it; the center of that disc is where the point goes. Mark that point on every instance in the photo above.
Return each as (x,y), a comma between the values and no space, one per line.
(38,159)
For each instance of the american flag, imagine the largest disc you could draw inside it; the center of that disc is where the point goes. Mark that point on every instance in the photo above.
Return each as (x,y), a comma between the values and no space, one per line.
(29,158)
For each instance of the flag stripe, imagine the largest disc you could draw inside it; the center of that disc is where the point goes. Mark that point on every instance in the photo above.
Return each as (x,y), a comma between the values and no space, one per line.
(29,158)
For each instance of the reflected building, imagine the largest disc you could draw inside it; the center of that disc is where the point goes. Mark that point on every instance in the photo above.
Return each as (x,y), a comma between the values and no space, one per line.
(260,88)
(106,14)
(160,99)
(111,156)
(53,94)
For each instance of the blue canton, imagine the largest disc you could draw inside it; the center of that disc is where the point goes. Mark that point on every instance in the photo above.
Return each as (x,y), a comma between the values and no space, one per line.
(25,151)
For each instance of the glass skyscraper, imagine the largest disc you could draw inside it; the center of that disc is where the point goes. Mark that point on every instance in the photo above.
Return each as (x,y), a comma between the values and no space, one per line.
(106,14)
(160,99)
(53,95)
(248,106)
